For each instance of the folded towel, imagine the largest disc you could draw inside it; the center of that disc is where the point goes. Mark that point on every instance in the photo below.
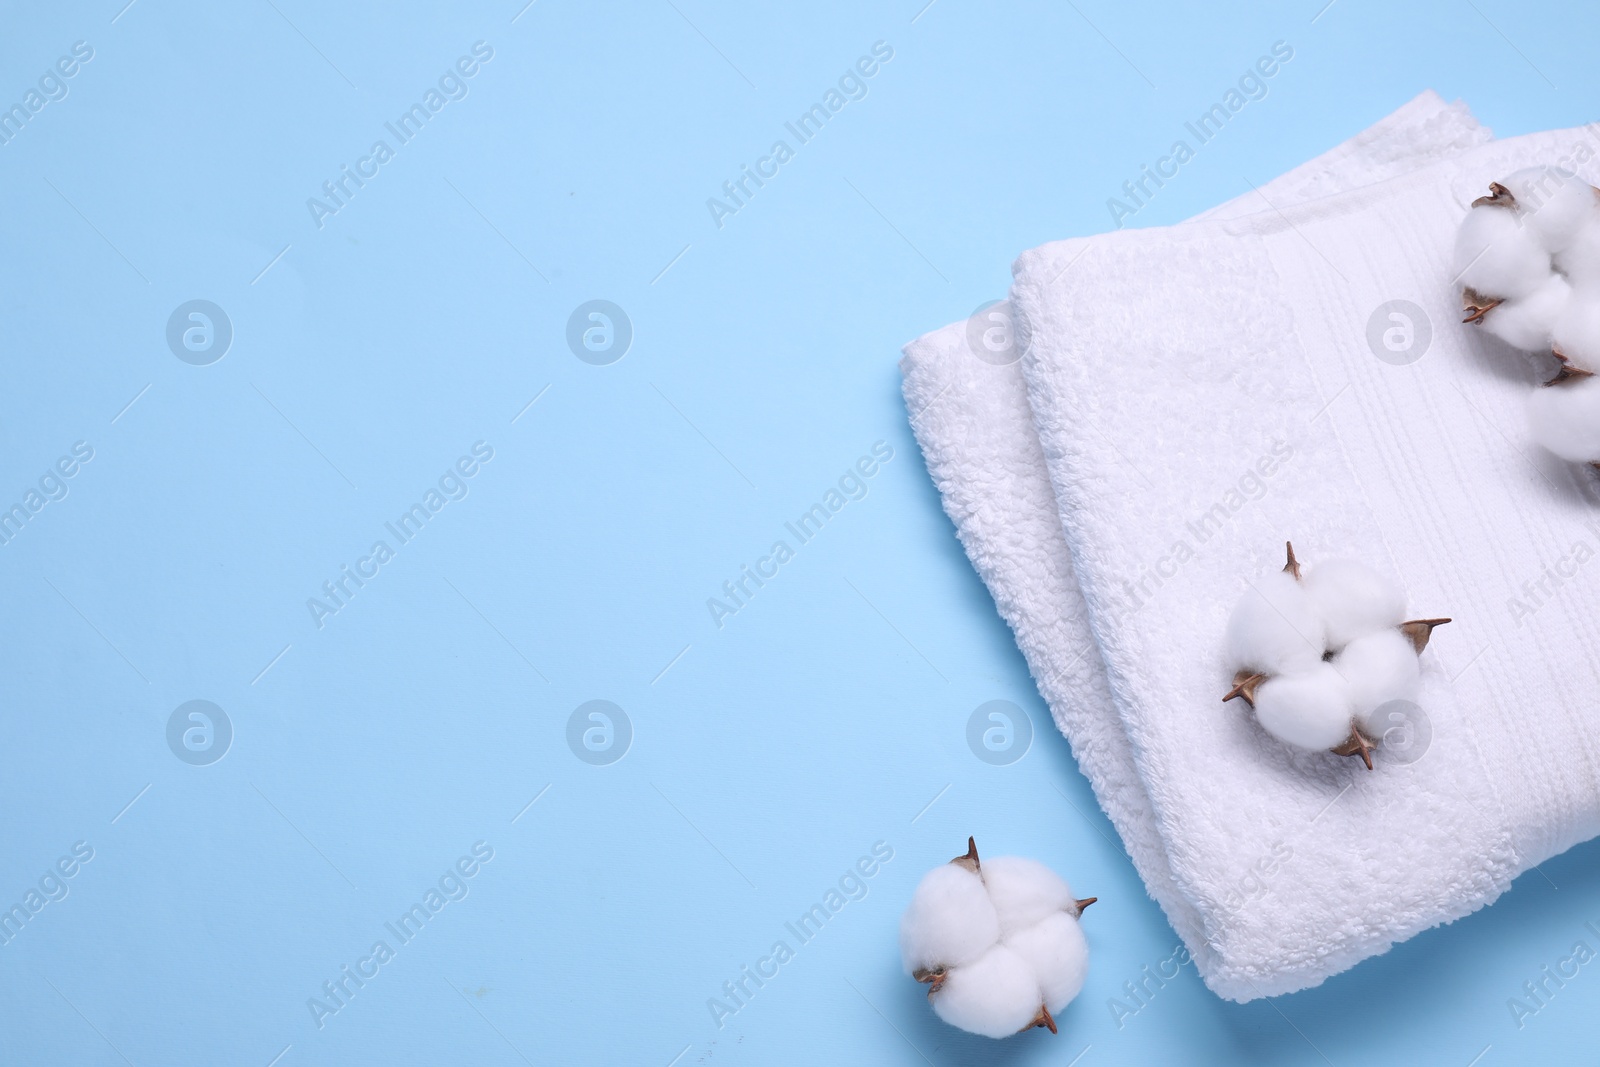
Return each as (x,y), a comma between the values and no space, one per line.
(974,426)
(1205,392)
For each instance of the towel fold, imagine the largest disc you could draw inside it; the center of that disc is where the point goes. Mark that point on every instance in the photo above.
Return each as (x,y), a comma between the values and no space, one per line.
(1201,394)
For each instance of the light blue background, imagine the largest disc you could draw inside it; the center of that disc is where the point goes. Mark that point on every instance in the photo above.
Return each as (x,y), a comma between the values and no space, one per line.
(823,717)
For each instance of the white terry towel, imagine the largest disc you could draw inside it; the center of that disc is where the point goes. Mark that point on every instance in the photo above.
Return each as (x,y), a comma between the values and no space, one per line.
(975,429)
(1205,392)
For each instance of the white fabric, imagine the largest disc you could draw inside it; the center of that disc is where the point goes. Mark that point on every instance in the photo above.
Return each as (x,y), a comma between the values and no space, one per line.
(1164,365)
(1424,470)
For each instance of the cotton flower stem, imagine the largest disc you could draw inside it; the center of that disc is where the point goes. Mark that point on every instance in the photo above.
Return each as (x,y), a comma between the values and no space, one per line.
(1293,566)
(1245,685)
(1041,1019)
(1569,371)
(1418,631)
(1085,902)
(970,860)
(934,978)
(1358,745)
(1476,305)
(1501,197)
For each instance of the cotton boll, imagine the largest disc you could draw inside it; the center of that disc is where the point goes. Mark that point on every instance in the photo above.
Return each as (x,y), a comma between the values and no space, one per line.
(1312,709)
(1274,628)
(979,978)
(996,995)
(1496,257)
(1058,954)
(950,921)
(1554,207)
(1024,891)
(1353,599)
(1529,322)
(1566,419)
(1379,667)
(1577,330)
(1371,653)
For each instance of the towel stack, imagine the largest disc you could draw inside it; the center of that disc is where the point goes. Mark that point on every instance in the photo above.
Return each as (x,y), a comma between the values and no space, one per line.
(1178,403)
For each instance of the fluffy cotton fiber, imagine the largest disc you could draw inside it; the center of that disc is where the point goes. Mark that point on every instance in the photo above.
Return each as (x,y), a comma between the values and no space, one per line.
(999,943)
(950,922)
(1530,323)
(1378,667)
(1553,206)
(1565,419)
(1495,256)
(1352,599)
(1275,629)
(997,995)
(1576,332)
(1308,709)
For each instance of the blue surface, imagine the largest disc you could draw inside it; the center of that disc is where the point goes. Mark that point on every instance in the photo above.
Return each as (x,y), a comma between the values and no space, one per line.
(371,753)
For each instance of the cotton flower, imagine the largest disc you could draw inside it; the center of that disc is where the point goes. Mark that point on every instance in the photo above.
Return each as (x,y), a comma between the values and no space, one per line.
(998,943)
(1365,655)
(1528,259)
